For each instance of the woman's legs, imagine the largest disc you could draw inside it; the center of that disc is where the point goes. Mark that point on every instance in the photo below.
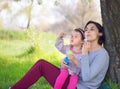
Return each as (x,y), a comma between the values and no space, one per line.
(73,82)
(40,68)
(61,79)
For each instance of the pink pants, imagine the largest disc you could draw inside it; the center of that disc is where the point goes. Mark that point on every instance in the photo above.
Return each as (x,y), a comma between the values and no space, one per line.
(62,78)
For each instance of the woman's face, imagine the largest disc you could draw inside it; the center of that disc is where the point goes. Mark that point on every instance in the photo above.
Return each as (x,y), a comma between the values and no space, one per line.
(76,38)
(92,33)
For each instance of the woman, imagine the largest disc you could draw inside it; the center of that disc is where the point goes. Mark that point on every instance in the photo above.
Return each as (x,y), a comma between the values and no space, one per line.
(94,63)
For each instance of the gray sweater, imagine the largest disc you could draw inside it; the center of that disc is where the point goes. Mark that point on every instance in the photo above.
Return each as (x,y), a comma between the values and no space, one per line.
(93,67)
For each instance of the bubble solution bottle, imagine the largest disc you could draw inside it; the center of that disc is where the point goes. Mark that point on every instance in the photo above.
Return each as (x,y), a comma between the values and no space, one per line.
(66,59)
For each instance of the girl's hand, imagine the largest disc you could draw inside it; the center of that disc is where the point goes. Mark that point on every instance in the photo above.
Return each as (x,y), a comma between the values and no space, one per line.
(86,47)
(62,34)
(63,65)
(73,59)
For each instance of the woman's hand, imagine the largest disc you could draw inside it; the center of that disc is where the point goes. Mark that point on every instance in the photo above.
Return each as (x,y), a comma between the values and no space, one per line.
(86,47)
(63,65)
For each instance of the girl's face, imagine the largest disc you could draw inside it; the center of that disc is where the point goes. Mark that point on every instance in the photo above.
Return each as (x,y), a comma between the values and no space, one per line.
(76,38)
(92,33)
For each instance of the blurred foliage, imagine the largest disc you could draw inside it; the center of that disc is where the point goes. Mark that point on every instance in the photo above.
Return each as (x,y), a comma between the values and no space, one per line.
(1,25)
(112,84)
(4,6)
(39,2)
(19,53)
(72,15)
(17,0)
(12,35)
(56,2)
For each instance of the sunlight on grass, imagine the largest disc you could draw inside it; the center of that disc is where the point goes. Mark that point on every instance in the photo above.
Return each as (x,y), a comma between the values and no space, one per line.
(18,52)
(14,47)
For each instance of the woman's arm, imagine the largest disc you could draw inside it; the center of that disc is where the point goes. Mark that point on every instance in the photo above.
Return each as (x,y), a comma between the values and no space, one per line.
(99,64)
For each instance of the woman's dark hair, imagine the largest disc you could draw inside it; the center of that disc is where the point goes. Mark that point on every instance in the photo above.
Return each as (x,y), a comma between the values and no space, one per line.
(80,31)
(100,28)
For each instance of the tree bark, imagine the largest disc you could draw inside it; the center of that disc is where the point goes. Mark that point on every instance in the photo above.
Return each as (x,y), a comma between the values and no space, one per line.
(110,10)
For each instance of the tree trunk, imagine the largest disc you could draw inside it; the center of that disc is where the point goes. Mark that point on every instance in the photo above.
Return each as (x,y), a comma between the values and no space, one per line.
(110,10)
(30,14)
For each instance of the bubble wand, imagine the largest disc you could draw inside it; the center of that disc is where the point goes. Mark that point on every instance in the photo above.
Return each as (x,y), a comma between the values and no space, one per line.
(85,40)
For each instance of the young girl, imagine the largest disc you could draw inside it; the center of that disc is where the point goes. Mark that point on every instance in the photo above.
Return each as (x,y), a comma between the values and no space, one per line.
(71,70)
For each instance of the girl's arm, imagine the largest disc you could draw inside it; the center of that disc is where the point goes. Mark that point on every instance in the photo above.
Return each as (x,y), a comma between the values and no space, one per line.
(59,44)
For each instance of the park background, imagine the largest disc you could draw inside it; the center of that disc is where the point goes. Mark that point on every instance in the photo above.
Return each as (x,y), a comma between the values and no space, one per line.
(28,29)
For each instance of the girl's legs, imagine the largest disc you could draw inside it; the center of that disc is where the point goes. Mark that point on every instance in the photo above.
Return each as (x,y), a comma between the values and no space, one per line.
(61,79)
(40,68)
(73,82)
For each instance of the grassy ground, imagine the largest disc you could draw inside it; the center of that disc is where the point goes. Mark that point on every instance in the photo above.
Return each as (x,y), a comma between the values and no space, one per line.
(19,50)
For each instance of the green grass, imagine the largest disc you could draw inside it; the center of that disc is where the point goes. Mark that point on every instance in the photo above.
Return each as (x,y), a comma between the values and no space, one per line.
(112,84)
(11,35)
(19,50)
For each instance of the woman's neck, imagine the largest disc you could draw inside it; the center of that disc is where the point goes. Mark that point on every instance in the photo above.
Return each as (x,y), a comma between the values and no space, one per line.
(95,46)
